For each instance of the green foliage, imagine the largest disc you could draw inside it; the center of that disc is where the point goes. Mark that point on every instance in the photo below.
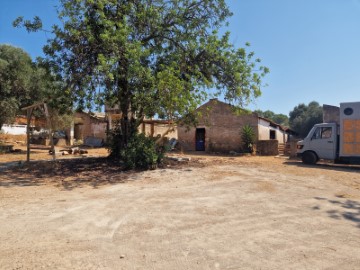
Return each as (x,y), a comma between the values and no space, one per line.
(280,119)
(8,109)
(23,83)
(16,77)
(60,121)
(50,88)
(141,151)
(247,138)
(31,26)
(304,117)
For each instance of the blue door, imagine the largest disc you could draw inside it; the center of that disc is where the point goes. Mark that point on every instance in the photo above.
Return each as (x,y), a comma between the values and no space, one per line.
(200,139)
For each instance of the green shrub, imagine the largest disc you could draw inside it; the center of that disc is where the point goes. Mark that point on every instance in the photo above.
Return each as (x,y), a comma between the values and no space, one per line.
(140,151)
(248,138)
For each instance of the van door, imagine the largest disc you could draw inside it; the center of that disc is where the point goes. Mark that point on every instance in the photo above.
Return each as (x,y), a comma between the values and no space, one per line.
(323,142)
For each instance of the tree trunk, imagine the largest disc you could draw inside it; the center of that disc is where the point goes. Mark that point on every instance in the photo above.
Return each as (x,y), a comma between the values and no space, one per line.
(127,125)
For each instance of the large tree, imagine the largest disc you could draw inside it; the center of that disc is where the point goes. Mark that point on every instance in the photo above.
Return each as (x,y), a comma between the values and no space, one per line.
(149,57)
(304,117)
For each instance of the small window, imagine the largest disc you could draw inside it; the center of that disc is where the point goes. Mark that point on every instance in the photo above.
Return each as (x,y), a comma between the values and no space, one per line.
(322,133)
(348,111)
(272,134)
(326,132)
(316,134)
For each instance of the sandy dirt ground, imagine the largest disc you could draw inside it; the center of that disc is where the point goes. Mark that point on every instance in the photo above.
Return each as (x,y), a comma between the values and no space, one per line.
(210,213)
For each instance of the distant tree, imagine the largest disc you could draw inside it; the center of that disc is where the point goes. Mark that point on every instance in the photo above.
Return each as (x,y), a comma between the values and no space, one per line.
(24,82)
(16,74)
(266,114)
(281,119)
(49,87)
(149,57)
(304,117)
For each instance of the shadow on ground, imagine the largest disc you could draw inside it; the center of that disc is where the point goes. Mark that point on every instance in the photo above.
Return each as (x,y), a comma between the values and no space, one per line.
(346,209)
(68,174)
(325,166)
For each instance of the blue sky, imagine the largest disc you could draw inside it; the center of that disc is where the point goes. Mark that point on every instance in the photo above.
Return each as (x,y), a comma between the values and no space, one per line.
(312,47)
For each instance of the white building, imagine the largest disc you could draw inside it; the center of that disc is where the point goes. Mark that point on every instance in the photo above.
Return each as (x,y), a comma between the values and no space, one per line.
(14,129)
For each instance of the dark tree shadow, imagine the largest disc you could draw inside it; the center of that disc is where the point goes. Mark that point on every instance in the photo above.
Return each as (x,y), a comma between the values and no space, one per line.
(68,174)
(349,209)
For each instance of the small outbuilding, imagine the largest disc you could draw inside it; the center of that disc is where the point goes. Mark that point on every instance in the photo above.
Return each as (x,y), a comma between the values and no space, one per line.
(219,129)
(90,128)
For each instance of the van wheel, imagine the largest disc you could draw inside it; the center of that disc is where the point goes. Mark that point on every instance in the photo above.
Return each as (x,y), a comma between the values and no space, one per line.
(309,158)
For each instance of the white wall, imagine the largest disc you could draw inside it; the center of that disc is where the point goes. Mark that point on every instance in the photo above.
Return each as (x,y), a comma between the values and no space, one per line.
(264,131)
(14,129)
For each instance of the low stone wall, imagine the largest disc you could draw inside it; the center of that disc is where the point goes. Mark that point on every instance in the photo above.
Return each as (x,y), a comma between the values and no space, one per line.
(291,149)
(267,147)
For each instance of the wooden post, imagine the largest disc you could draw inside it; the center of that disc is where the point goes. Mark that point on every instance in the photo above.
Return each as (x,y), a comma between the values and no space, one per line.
(50,130)
(29,110)
(28,116)
(71,139)
(143,130)
(109,121)
(152,129)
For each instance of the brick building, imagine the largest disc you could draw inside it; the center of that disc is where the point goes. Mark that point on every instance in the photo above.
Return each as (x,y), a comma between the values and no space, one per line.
(89,125)
(219,130)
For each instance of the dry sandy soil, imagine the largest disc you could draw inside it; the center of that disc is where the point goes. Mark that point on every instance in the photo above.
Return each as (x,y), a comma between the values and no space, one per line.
(210,213)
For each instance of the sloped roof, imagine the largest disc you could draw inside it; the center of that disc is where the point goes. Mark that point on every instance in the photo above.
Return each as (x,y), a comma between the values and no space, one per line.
(98,115)
(215,101)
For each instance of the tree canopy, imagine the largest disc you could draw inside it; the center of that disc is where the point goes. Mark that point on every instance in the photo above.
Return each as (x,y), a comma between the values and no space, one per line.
(16,81)
(24,82)
(149,57)
(304,117)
